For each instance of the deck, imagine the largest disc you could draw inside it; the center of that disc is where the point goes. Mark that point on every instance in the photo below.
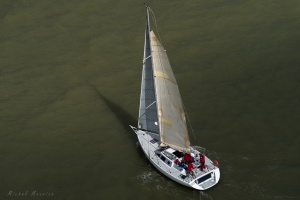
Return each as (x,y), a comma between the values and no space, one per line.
(163,159)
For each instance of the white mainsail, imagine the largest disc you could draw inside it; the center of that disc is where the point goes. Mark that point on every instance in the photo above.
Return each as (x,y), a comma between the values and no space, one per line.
(172,123)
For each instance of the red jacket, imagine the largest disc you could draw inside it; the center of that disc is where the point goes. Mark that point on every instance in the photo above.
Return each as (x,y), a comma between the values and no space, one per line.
(202,158)
(187,157)
(190,167)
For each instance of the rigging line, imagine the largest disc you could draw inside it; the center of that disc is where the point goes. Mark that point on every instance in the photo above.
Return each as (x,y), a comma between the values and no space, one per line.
(154,20)
(189,122)
(148,145)
(148,2)
(148,130)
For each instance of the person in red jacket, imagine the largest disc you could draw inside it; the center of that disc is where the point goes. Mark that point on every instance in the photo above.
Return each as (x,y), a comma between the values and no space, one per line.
(190,168)
(202,162)
(187,158)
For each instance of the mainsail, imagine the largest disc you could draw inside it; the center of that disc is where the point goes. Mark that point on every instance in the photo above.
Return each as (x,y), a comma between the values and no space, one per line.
(161,108)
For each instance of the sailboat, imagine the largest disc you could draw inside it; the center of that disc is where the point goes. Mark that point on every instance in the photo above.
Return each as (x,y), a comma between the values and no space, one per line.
(162,129)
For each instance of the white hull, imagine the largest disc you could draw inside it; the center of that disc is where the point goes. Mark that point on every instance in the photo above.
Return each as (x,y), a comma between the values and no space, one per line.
(202,180)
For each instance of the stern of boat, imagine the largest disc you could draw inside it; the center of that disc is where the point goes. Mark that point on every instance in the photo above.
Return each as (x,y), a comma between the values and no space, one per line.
(207,180)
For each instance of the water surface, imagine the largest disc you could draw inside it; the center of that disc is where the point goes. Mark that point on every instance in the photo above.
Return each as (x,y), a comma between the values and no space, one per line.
(70,80)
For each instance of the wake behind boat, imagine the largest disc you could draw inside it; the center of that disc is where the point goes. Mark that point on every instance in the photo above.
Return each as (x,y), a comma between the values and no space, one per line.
(162,131)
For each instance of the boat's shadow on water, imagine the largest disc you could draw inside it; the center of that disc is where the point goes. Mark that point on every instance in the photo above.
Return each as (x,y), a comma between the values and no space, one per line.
(124,118)
(121,114)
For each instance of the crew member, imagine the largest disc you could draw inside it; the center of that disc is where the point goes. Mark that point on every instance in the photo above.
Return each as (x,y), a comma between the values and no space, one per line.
(202,162)
(187,158)
(189,169)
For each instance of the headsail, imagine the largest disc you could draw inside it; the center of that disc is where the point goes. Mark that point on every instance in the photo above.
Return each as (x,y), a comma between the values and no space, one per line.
(172,122)
(148,119)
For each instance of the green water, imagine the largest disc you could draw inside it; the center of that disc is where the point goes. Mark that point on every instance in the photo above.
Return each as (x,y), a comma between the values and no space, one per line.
(70,76)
